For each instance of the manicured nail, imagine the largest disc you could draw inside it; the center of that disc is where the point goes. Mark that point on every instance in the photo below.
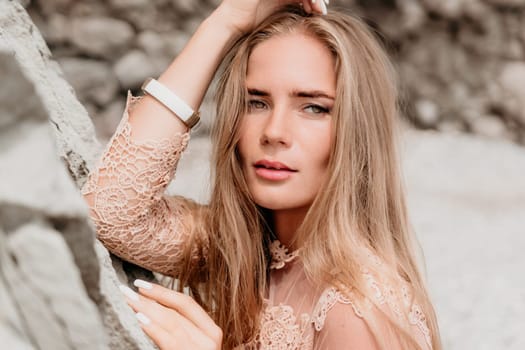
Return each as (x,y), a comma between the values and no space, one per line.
(327,2)
(313,1)
(142,284)
(142,318)
(129,292)
(323,8)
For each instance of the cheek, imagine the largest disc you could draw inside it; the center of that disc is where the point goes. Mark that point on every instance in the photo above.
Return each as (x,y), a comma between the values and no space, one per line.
(320,148)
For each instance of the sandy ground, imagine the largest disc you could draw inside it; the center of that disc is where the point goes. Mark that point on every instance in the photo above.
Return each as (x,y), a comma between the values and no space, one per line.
(467,201)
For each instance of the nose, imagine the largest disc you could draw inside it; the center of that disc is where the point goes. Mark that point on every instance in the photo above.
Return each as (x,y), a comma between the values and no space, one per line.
(276,129)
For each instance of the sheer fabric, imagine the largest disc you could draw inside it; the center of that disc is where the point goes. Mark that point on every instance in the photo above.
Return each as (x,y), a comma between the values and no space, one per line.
(137,222)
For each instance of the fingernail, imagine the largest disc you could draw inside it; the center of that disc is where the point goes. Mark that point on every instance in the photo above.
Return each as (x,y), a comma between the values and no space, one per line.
(142,318)
(327,1)
(323,8)
(313,1)
(142,284)
(129,292)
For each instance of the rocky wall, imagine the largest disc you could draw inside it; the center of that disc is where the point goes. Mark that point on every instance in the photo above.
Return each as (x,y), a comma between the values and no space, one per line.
(58,285)
(461,63)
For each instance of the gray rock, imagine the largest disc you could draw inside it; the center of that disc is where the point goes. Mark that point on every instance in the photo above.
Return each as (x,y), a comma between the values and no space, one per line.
(427,113)
(53,6)
(101,37)
(49,291)
(160,48)
(446,8)
(108,119)
(36,193)
(152,43)
(133,68)
(451,126)
(56,29)
(507,2)
(127,4)
(38,196)
(11,110)
(186,6)
(512,81)
(93,80)
(413,14)
(74,133)
(489,126)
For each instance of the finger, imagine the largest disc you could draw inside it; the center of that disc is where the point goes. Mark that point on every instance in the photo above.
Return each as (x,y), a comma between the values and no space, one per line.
(170,319)
(179,330)
(163,339)
(319,6)
(307,6)
(183,304)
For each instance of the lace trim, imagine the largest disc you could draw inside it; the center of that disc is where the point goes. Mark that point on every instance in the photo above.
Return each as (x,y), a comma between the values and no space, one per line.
(280,330)
(327,301)
(418,319)
(383,294)
(387,295)
(280,255)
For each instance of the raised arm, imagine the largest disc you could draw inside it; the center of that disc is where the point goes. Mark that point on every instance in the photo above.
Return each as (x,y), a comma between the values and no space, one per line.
(125,192)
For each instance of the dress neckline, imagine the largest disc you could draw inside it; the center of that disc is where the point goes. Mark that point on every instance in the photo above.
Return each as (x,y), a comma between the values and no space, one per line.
(280,255)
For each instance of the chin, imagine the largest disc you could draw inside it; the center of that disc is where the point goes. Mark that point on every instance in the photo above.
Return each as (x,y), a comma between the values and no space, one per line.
(278,201)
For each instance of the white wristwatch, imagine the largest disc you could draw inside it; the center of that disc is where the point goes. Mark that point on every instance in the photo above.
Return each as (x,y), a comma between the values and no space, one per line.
(171,101)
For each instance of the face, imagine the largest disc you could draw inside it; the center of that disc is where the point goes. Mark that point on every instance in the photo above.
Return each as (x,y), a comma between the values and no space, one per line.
(285,135)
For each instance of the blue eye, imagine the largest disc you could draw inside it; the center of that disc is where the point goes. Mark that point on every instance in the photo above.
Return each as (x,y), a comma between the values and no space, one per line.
(316,109)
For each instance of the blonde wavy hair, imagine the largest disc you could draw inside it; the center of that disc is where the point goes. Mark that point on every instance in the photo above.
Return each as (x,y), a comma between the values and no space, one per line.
(361,206)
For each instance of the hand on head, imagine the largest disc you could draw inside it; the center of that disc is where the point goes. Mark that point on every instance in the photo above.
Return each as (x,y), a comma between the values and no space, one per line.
(244,15)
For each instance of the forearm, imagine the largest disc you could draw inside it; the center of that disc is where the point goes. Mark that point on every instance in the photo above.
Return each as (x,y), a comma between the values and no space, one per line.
(188,76)
(124,192)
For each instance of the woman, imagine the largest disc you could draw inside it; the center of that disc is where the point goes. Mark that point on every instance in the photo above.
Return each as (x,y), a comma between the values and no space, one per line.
(305,242)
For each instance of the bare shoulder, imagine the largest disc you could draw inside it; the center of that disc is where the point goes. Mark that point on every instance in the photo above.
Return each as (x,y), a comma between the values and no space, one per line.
(343,328)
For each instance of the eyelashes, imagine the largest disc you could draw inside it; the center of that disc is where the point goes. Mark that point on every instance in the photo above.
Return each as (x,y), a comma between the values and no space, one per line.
(317,109)
(256,104)
(311,108)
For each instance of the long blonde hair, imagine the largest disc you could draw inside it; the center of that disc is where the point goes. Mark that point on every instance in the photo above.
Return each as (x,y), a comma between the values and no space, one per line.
(360,206)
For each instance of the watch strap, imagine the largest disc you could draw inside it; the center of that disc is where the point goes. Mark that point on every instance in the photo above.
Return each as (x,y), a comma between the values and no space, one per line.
(171,101)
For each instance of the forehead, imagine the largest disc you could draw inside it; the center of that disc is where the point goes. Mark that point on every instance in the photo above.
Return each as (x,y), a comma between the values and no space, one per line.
(294,61)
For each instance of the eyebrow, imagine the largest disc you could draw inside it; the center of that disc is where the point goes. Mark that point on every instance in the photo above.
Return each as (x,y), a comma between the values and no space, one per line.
(294,93)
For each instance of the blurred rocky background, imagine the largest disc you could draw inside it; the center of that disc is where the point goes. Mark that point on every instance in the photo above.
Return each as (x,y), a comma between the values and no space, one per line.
(461,67)
(461,62)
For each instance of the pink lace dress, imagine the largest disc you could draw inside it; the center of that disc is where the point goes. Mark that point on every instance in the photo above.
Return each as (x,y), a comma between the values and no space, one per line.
(137,222)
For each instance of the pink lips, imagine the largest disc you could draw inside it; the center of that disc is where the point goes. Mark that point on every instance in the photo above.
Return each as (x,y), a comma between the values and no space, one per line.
(273,171)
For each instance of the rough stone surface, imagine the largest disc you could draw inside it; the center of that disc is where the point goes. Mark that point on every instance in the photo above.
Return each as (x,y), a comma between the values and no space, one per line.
(93,81)
(101,37)
(39,273)
(512,80)
(458,59)
(133,68)
(60,286)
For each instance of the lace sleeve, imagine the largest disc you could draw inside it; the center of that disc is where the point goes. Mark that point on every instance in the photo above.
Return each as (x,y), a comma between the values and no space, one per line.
(133,217)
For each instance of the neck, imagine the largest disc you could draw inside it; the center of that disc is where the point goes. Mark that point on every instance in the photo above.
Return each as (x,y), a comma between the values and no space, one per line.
(286,222)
